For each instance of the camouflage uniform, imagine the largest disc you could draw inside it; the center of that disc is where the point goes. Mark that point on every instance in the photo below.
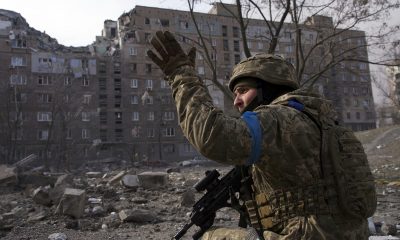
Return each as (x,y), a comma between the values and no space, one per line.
(290,158)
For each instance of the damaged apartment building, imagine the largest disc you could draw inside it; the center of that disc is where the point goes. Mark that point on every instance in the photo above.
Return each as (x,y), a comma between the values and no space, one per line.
(109,101)
(48,93)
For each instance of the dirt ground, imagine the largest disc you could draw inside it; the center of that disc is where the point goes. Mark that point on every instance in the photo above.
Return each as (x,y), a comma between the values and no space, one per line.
(165,202)
(22,219)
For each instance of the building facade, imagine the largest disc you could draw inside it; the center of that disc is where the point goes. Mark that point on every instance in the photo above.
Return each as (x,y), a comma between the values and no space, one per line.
(109,100)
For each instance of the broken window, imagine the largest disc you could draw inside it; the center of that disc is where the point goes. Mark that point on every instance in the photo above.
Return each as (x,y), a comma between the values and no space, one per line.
(169,132)
(103,135)
(102,83)
(168,116)
(135,131)
(149,84)
(148,68)
(168,148)
(85,116)
(133,67)
(68,133)
(85,133)
(235,31)
(113,32)
(67,81)
(183,24)
(147,37)
(85,81)
(117,101)
(236,46)
(227,57)
(117,68)
(45,97)
(164,22)
(150,117)
(237,58)
(151,132)
(134,83)
(224,30)
(43,134)
(103,100)
(86,98)
(134,99)
(135,116)
(44,80)
(146,20)
(226,45)
(149,100)
(19,43)
(103,117)
(102,67)
(118,117)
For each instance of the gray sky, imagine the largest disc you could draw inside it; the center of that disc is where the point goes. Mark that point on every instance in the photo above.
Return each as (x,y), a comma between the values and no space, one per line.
(78,22)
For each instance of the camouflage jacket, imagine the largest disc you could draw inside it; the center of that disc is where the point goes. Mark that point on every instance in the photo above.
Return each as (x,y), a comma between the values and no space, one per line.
(290,148)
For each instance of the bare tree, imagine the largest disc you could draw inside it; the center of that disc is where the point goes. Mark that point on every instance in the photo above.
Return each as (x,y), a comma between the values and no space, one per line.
(320,43)
(11,120)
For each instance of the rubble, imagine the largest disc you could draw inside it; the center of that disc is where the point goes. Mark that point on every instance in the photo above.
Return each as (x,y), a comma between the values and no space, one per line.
(72,203)
(7,175)
(41,196)
(58,236)
(137,215)
(188,198)
(130,181)
(152,179)
(116,178)
(131,204)
(94,174)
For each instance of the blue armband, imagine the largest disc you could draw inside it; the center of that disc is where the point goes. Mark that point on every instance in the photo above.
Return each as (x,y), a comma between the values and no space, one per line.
(296,105)
(253,124)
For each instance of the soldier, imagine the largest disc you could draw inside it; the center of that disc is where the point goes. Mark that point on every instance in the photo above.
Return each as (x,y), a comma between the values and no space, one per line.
(274,136)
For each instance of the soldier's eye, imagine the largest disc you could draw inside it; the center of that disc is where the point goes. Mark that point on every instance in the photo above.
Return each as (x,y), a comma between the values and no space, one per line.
(242,90)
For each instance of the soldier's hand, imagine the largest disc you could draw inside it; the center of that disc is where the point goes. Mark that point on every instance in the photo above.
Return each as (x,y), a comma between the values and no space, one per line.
(170,54)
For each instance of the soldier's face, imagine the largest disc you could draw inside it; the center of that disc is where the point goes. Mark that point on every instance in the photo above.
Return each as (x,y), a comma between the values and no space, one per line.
(243,96)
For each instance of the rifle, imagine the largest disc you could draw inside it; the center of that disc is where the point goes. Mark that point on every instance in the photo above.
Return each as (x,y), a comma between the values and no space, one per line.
(220,193)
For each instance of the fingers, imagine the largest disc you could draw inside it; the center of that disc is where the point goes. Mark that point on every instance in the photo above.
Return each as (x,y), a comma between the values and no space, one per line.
(155,59)
(160,49)
(171,45)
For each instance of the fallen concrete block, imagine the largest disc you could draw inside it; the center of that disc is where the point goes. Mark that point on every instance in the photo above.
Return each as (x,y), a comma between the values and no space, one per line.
(116,178)
(130,181)
(26,161)
(72,203)
(7,175)
(137,215)
(41,196)
(153,179)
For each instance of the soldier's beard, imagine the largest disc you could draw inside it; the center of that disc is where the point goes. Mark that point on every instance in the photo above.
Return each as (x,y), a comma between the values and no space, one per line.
(252,105)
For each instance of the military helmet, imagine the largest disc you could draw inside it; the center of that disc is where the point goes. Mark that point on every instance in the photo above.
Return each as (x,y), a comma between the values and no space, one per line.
(266,67)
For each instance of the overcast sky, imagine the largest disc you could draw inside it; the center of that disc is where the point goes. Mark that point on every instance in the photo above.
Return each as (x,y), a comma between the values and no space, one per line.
(78,22)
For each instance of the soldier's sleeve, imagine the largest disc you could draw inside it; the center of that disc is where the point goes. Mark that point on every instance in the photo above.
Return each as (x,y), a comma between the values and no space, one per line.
(216,136)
